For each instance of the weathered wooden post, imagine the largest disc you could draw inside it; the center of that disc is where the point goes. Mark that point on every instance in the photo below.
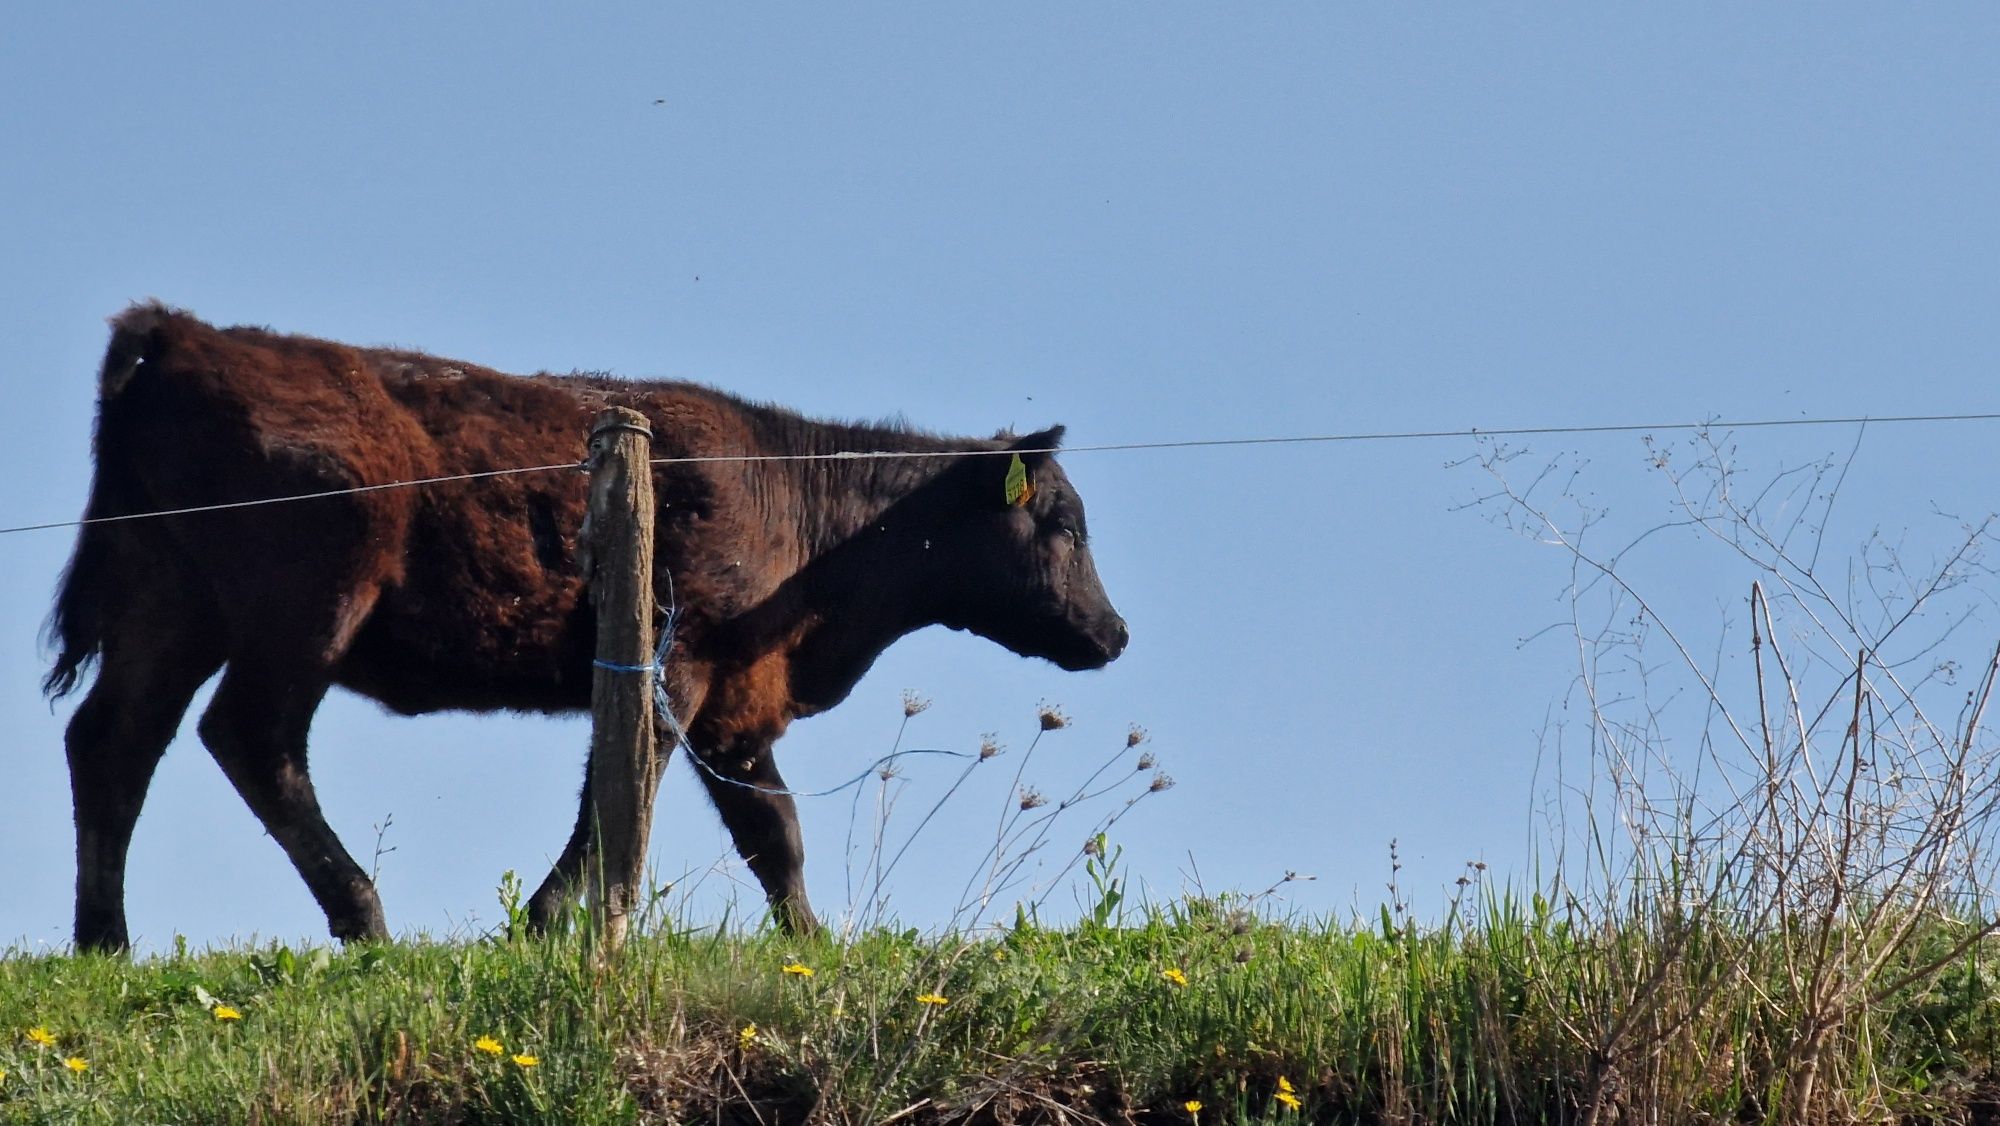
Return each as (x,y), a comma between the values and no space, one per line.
(624,763)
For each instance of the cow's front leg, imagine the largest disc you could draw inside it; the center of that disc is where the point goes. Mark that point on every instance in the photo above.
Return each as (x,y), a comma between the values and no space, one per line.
(743,781)
(560,888)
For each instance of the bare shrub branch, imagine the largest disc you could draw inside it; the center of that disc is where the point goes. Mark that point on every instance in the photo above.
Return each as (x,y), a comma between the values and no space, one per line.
(1785,844)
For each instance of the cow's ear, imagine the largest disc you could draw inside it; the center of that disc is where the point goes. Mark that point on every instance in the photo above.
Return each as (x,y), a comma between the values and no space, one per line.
(1026,457)
(1041,445)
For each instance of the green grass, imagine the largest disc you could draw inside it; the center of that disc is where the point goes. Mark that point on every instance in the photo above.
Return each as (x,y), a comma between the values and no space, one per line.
(1498,1018)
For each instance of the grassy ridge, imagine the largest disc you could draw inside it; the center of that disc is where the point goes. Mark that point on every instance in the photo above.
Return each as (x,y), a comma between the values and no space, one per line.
(1493,1019)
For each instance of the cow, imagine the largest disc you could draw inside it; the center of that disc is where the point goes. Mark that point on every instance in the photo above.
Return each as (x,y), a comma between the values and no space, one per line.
(790,576)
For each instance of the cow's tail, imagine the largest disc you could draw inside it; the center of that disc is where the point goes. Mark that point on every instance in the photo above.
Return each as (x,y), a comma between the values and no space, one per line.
(76,625)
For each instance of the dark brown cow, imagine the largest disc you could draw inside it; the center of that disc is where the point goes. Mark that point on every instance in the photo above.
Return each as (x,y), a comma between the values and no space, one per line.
(792,576)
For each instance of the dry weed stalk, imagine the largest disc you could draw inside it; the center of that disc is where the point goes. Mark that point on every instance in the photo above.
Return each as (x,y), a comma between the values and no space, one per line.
(1830,819)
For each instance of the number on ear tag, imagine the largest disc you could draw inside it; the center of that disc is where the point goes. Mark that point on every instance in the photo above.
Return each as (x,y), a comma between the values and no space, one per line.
(1020,490)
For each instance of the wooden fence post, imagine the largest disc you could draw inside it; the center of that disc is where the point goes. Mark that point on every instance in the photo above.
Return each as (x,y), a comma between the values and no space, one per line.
(624,763)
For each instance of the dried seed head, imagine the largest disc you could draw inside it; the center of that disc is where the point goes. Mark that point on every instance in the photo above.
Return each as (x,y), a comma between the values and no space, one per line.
(1464,880)
(1479,865)
(1052,717)
(1092,848)
(1147,761)
(1135,735)
(1161,782)
(988,746)
(1030,799)
(913,703)
(886,773)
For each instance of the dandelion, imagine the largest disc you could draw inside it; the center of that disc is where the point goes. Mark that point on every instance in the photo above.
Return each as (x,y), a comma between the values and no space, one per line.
(1147,761)
(988,746)
(488,1045)
(1161,782)
(1052,717)
(524,1061)
(3,1075)
(933,999)
(746,1036)
(1192,1106)
(226,1012)
(1134,736)
(41,1037)
(1287,1094)
(77,1064)
(913,703)
(1032,799)
(1173,974)
(799,969)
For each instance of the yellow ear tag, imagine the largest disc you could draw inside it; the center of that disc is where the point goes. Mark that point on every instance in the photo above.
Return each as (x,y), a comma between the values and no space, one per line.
(1020,490)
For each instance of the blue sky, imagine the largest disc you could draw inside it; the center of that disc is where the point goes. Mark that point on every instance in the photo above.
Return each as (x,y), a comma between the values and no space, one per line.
(1148,222)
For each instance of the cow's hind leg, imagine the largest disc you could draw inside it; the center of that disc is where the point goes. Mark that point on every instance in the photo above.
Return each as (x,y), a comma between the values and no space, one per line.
(115,741)
(743,781)
(256,729)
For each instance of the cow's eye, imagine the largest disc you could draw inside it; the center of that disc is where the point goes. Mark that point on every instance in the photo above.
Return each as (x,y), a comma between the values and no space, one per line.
(1066,531)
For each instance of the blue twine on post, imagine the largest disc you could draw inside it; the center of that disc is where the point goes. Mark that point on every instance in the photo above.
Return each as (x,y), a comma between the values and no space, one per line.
(616,667)
(658,671)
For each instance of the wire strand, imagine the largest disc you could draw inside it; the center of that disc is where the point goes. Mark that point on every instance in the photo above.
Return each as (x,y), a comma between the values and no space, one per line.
(259,502)
(1192,443)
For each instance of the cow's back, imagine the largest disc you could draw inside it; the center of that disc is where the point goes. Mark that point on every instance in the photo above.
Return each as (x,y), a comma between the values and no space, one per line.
(489,611)
(276,412)
(460,594)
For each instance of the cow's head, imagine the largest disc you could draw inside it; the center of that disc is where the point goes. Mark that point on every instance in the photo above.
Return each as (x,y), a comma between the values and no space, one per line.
(1018,569)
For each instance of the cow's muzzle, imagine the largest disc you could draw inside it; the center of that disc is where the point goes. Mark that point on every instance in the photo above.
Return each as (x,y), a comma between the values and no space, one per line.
(1103,641)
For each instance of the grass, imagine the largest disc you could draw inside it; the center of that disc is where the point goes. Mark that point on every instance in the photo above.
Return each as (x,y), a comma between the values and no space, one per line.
(1769,898)
(1495,1017)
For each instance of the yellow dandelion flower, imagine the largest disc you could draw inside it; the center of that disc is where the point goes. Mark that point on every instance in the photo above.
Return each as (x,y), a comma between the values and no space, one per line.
(41,1036)
(1290,1100)
(1285,1085)
(77,1064)
(1192,1106)
(932,999)
(3,1075)
(488,1045)
(799,969)
(747,1035)
(525,1060)
(1174,975)
(226,1012)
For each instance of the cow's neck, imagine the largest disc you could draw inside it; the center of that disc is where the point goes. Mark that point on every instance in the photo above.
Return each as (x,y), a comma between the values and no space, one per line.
(841,499)
(855,591)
